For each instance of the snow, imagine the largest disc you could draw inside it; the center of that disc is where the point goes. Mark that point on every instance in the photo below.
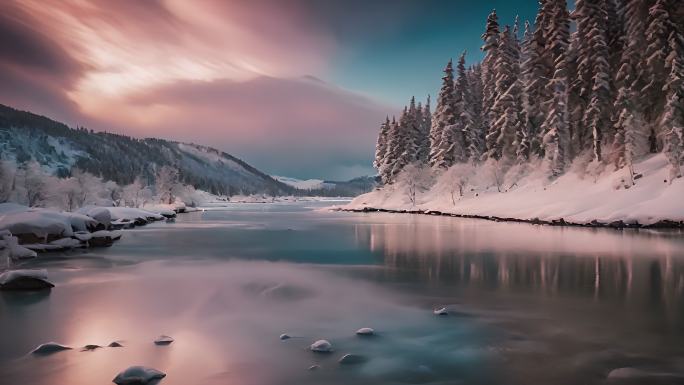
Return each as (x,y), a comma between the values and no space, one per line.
(100,214)
(38,222)
(15,251)
(11,275)
(131,214)
(137,375)
(321,346)
(573,197)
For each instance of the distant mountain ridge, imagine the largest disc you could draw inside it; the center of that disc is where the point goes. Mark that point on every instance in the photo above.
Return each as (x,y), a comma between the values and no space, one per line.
(25,136)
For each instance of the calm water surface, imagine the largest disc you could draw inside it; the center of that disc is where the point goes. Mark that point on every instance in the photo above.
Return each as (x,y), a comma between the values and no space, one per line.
(528,304)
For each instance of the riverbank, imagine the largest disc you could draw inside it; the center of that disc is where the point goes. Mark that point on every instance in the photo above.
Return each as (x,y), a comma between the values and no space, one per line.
(651,201)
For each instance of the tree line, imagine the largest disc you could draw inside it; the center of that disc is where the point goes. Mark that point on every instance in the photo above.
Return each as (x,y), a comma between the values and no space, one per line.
(602,86)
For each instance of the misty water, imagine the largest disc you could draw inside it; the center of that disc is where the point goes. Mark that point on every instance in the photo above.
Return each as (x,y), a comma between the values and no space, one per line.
(527,304)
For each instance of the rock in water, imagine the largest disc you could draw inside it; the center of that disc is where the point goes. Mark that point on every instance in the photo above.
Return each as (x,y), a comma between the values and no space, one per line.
(284,337)
(365,332)
(49,348)
(441,311)
(321,346)
(115,345)
(352,359)
(91,347)
(25,280)
(138,375)
(163,340)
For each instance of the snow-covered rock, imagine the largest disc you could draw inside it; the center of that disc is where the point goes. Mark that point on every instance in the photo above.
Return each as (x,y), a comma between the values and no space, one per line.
(365,332)
(67,243)
(25,280)
(34,224)
(163,340)
(13,249)
(139,216)
(138,375)
(49,348)
(321,346)
(101,214)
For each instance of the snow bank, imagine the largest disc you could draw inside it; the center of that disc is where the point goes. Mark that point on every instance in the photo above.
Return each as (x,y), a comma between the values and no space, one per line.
(572,198)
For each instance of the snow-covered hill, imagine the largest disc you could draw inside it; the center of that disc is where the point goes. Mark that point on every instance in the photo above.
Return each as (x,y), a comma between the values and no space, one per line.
(573,198)
(308,184)
(58,148)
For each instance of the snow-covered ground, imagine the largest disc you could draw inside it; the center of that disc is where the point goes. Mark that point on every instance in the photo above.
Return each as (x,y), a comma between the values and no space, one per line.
(574,198)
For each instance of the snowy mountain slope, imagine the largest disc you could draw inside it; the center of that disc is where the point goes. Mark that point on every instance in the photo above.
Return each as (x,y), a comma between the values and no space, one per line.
(25,136)
(308,184)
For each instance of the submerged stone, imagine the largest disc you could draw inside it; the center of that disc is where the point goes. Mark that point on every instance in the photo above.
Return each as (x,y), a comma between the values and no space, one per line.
(49,348)
(321,346)
(441,311)
(138,375)
(365,332)
(352,359)
(163,340)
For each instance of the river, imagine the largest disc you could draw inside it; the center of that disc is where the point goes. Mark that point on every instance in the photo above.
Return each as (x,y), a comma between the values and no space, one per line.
(527,304)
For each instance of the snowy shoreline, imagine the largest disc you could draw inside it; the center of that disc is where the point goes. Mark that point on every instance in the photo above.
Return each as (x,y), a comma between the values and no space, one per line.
(608,200)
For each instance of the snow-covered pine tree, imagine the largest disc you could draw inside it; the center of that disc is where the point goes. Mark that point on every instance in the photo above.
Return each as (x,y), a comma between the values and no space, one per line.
(426,124)
(490,48)
(465,105)
(631,139)
(476,142)
(555,126)
(381,145)
(393,149)
(444,116)
(673,116)
(535,73)
(594,74)
(507,106)
(657,46)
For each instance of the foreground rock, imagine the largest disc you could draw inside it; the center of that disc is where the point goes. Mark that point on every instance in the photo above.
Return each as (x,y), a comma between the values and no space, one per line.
(25,280)
(321,346)
(441,311)
(352,359)
(138,375)
(49,348)
(163,340)
(365,332)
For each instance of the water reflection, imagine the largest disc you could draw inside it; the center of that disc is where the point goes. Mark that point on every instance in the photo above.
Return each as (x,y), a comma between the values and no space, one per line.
(529,305)
(594,262)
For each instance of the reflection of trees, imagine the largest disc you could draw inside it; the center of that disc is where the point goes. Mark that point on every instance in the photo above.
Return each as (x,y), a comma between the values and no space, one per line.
(495,257)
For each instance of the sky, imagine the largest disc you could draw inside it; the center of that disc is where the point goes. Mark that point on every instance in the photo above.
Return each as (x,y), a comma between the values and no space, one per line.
(294,87)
